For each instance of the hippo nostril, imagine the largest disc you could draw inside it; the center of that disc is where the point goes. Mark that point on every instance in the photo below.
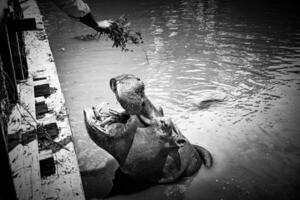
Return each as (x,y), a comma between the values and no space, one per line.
(180,142)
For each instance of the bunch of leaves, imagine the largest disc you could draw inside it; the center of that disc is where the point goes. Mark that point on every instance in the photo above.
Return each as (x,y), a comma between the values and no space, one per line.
(119,32)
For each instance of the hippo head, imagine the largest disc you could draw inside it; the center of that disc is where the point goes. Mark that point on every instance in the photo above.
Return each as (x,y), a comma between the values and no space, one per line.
(152,149)
(129,91)
(166,131)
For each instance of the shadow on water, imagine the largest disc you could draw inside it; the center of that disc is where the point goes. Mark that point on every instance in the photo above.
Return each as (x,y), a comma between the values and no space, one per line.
(122,184)
(226,71)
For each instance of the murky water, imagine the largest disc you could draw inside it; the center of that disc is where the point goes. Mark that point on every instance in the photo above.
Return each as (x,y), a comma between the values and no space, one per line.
(245,54)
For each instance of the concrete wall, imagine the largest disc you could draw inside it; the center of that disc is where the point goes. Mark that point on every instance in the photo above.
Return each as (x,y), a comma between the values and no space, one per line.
(8,190)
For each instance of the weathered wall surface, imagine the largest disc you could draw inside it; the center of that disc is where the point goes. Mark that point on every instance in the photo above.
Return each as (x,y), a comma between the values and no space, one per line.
(3,5)
(23,132)
(4,103)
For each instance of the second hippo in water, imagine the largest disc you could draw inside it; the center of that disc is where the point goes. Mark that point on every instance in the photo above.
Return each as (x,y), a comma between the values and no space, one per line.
(147,145)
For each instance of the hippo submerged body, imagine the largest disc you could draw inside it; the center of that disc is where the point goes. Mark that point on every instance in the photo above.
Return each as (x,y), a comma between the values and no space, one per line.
(147,145)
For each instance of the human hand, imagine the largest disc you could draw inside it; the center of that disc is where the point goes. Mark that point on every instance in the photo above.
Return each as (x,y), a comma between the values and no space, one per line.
(105,24)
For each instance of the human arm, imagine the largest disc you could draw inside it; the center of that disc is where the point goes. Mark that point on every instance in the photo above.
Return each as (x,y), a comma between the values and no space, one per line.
(79,10)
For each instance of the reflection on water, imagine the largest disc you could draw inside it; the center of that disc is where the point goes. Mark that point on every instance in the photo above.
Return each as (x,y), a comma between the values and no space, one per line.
(242,58)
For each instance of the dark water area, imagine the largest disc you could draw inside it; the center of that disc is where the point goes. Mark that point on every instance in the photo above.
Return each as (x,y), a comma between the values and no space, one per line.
(227,73)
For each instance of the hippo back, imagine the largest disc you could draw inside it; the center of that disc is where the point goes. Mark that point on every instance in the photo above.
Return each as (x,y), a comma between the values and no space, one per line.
(157,160)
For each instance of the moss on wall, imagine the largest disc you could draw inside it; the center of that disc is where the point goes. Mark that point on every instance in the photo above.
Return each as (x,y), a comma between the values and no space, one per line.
(4,101)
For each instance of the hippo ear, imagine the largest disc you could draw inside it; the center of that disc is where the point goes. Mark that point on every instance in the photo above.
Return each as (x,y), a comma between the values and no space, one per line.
(113,84)
(161,111)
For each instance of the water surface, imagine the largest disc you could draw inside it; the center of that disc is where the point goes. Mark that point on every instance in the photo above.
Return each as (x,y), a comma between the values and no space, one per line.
(243,53)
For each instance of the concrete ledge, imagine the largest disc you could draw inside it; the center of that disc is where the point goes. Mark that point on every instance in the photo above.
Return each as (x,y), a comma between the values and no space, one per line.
(25,159)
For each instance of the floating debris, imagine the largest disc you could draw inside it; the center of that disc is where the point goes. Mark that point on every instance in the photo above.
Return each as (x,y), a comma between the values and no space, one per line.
(119,32)
(208,98)
(88,37)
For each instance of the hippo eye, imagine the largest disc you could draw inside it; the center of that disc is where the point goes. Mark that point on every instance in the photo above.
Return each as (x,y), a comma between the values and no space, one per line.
(163,137)
(143,104)
(138,79)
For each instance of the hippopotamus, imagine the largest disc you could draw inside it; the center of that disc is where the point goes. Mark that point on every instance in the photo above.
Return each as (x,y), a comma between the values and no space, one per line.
(148,146)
